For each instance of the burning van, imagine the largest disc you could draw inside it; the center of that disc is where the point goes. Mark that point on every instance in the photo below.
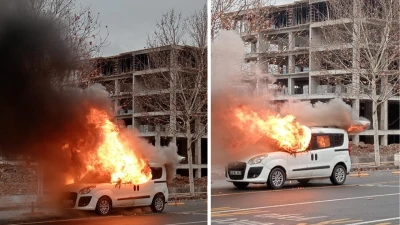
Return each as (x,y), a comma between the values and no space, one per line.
(95,192)
(327,156)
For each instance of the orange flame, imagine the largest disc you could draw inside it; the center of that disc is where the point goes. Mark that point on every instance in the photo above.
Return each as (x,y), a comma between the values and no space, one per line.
(357,128)
(288,134)
(114,154)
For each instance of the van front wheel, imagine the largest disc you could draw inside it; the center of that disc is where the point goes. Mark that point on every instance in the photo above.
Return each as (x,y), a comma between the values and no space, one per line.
(103,206)
(158,203)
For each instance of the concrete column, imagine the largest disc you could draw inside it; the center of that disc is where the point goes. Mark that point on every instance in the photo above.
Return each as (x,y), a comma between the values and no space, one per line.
(383,122)
(291,41)
(157,140)
(157,137)
(292,63)
(312,86)
(356,110)
(117,87)
(290,86)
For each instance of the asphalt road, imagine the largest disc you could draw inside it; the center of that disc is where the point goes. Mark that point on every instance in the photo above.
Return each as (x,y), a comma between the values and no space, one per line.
(372,199)
(191,212)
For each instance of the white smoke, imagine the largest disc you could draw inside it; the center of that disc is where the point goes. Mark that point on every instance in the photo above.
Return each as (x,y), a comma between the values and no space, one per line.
(227,141)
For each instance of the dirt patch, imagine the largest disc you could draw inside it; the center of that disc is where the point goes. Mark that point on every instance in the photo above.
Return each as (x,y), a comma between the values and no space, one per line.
(182,181)
(361,149)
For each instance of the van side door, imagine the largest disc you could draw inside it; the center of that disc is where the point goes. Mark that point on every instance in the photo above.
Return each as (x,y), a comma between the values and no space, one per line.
(299,165)
(122,194)
(147,190)
(323,150)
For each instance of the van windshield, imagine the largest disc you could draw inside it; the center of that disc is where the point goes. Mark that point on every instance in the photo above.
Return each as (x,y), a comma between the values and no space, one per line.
(95,177)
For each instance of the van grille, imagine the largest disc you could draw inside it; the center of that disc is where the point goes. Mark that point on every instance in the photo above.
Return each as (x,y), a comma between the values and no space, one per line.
(69,199)
(236,166)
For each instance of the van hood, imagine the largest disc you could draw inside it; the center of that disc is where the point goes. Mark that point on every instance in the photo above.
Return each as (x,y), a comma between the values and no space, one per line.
(76,187)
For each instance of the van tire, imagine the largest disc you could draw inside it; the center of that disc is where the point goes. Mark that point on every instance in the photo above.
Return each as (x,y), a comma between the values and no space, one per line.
(241,185)
(103,206)
(276,178)
(339,174)
(158,203)
(303,181)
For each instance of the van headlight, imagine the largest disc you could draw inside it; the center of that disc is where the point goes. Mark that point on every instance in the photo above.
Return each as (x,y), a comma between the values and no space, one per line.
(86,190)
(257,159)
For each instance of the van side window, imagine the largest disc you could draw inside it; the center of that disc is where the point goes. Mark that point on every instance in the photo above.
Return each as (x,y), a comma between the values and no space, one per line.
(321,141)
(156,173)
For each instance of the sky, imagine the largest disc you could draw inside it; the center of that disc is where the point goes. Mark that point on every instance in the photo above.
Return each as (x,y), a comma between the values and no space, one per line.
(130,21)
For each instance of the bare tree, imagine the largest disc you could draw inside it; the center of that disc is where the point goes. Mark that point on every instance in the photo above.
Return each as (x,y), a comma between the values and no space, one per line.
(224,13)
(359,49)
(179,85)
(81,30)
(266,56)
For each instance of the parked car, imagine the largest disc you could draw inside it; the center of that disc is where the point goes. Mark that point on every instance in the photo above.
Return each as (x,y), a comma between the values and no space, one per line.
(97,193)
(328,156)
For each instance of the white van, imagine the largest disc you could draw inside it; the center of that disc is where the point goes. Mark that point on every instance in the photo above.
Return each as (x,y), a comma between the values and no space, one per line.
(103,195)
(328,156)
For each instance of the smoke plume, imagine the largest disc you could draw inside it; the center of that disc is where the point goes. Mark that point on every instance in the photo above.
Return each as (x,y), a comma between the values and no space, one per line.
(231,143)
(39,116)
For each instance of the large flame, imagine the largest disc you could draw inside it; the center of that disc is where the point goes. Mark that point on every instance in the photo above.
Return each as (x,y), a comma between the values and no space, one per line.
(114,154)
(288,134)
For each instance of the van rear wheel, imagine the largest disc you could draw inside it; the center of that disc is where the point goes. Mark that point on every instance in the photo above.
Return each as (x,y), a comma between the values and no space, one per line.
(241,185)
(338,176)
(158,203)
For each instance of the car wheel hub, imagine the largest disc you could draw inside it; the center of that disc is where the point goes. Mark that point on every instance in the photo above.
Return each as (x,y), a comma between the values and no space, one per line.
(339,175)
(158,203)
(277,178)
(104,206)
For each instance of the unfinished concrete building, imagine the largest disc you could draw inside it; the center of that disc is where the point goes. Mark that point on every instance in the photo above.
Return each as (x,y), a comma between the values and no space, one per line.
(124,75)
(283,46)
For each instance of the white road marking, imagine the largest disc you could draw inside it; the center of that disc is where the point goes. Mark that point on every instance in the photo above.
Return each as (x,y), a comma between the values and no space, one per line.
(376,221)
(187,222)
(305,203)
(293,217)
(234,221)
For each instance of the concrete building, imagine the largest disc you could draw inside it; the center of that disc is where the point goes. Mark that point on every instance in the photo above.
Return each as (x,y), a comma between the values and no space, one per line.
(280,47)
(123,76)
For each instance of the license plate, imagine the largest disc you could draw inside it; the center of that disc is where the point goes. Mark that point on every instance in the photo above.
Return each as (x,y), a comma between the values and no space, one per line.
(235,172)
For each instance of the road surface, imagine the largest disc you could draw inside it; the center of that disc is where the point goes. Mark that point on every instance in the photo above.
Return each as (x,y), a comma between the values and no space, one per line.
(372,199)
(191,212)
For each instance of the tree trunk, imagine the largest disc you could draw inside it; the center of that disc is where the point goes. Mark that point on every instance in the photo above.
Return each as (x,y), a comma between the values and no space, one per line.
(190,158)
(376,136)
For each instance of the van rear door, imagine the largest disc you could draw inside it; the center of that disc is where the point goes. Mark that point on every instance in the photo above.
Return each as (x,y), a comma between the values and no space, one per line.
(323,148)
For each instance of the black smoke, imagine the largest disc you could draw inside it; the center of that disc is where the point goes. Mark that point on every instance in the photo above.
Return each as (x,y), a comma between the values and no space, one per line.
(38,115)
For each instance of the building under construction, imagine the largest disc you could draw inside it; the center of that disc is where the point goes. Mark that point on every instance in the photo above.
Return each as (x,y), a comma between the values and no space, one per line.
(277,40)
(144,99)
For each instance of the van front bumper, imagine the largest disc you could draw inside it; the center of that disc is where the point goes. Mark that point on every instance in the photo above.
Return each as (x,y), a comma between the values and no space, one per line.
(73,200)
(244,172)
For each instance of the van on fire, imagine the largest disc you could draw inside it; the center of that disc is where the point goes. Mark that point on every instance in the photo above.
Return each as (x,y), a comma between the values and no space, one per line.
(328,156)
(94,192)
